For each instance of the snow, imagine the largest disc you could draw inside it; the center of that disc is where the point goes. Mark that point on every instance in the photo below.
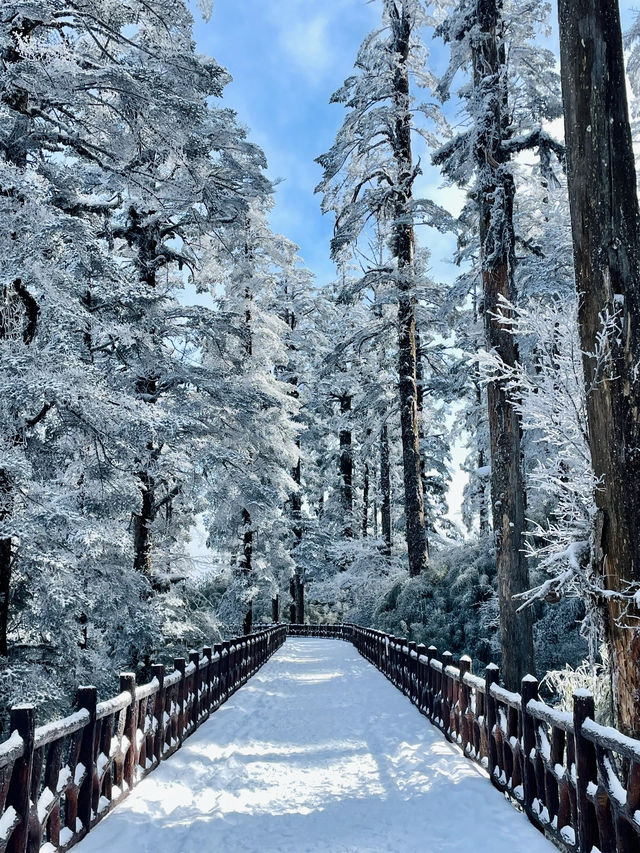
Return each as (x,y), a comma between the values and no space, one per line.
(318,751)
(8,821)
(61,728)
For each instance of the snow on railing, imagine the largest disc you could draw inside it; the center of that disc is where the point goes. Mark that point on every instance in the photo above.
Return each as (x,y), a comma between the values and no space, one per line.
(58,780)
(577,781)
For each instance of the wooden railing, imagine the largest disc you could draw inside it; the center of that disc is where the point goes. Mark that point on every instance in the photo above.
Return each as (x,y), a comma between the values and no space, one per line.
(57,781)
(577,781)
(336,632)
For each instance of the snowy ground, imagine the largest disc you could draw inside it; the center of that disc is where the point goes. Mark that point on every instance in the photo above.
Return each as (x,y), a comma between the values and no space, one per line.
(318,752)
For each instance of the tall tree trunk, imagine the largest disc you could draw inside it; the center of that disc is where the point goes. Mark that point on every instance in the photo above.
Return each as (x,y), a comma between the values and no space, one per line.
(246,566)
(275,608)
(428,524)
(346,468)
(606,240)
(365,502)
(403,250)
(293,594)
(142,522)
(385,491)
(6,557)
(296,509)
(496,192)
(296,497)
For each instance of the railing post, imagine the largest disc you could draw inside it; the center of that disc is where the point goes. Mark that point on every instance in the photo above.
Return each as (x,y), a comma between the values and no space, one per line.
(528,691)
(412,660)
(128,685)
(586,771)
(492,676)
(217,672)
(88,700)
(422,675)
(23,720)
(157,670)
(207,652)
(180,664)
(194,658)
(464,704)
(447,692)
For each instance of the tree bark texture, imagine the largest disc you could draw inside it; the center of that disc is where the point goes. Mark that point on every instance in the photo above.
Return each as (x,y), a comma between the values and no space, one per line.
(496,193)
(346,468)
(606,240)
(142,523)
(404,249)
(365,502)
(246,565)
(385,491)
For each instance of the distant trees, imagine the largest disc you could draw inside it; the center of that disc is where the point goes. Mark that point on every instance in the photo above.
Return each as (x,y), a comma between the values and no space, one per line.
(368,182)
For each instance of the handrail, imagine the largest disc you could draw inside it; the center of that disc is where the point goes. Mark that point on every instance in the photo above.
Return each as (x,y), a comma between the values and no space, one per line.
(577,781)
(61,779)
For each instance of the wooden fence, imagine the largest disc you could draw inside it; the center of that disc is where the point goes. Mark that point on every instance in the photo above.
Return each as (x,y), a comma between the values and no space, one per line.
(57,781)
(577,781)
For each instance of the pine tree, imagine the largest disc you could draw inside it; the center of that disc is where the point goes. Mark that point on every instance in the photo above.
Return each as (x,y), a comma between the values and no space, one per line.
(369,174)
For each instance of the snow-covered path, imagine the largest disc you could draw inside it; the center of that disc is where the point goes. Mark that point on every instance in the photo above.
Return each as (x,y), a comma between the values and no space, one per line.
(318,752)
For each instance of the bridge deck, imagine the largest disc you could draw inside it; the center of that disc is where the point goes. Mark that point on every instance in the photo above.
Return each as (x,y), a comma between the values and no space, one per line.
(318,752)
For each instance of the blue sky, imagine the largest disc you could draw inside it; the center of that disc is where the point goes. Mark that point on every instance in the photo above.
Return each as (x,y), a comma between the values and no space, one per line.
(287,57)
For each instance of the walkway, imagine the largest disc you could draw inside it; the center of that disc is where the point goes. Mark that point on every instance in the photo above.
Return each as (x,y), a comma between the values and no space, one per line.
(318,752)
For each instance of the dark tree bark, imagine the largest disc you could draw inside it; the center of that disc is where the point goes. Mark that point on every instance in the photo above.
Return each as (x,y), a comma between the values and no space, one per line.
(404,250)
(606,239)
(246,564)
(385,491)
(296,510)
(19,317)
(496,193)
(275,608)
(6,560)
(296,497)
(429,528)
(346,468)
(365,502)
(292,605)
(142,524)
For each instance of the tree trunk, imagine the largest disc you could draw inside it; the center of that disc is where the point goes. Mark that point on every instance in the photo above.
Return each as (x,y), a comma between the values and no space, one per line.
(606,240)
(246,565)
(275,608)
(429,525)
(496,193)
(403,250)
(365,502)
(299,601)
(385,491)
(142,522)
(346,469)
(292,605)
(6,556)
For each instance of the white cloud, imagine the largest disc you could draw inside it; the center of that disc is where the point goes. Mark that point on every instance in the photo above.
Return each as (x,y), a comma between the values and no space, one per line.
(306,41)
(313,35)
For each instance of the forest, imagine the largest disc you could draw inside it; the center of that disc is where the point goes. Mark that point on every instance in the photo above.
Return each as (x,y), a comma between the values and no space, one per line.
(172,371)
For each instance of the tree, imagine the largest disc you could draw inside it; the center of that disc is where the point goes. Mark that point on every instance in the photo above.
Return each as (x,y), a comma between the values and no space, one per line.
(503,103)
(369,174)
(606,241)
